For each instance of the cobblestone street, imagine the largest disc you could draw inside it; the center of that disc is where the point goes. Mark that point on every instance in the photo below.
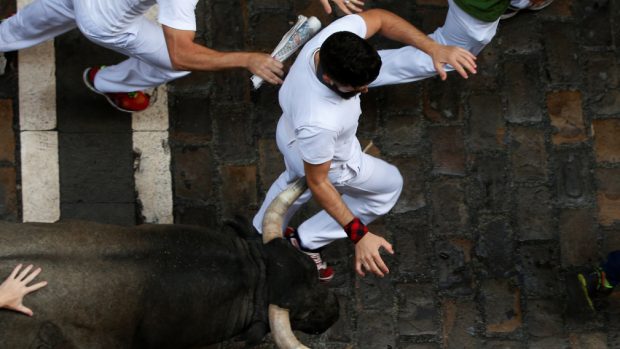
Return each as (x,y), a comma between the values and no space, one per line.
(512,177)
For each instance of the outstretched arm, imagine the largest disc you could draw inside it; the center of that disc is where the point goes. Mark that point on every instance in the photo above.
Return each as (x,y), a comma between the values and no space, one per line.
(15,288)
(347,7)
(367,255)
(396,28)
(185,54)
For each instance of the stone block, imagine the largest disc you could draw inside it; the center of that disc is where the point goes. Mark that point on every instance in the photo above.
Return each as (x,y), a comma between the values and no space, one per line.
(490,190)
(565,111)
(449,215)
(7,135)
(190,120)
(269,28)
(403,135)
(417,313)
(573,177)
(560,44)
(499,344)
(96,168)
(551,342)
(534,214)
(442,100)
(269,5)
(595,28)
(495,247)
(596,340)
(578,237)
(529,155)
(152,177)
(412,197)
(234,129)
(40,193)
(375,330)
(486,124)
(560,9)
(205,216)
(608,104)
(193,174)
(459,324)
(612,240)
(606,140)
(453,262)
(271,163)
(412,244)
(540,270)
(523,91)
(228,87)
(448,153)
(109,213)
(8,194)
(502,307)
(239,190)
(77,108)
(230,15)
(374,293)
(520,37)
(544,319)
(488,69)
(608,195)
(401,100)
(600,73)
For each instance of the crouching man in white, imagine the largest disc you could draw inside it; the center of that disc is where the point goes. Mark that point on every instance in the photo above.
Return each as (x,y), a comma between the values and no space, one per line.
(320,99)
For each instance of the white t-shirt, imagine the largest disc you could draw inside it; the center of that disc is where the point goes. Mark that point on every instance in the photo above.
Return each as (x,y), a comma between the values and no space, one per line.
(118,14)
(321,122)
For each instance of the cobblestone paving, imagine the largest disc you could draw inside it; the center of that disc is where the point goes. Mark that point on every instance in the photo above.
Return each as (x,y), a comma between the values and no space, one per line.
(512,178)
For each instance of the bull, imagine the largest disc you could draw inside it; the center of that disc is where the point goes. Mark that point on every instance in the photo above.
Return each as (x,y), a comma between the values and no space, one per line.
(163,286)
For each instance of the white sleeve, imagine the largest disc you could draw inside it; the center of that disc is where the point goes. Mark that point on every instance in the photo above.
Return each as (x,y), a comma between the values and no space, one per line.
(351,23)
(316,145)
(178,14)
(404,65)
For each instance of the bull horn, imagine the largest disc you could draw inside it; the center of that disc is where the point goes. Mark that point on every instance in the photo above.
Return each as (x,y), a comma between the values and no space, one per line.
(279,320)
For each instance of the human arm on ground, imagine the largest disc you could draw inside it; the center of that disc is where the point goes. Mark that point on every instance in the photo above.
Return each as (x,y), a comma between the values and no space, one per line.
(346,7)
(15,288)
(367,255)
(396,28)
(185,54)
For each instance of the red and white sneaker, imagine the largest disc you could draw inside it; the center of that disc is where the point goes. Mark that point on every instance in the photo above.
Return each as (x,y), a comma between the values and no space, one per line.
(326,273)
(129,102)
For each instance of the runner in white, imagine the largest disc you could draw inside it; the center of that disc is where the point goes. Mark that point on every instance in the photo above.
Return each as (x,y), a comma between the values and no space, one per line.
(321,107)
(156,55)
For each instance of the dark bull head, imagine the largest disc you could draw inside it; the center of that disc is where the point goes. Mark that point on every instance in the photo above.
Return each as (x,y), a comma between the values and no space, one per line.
(158,286)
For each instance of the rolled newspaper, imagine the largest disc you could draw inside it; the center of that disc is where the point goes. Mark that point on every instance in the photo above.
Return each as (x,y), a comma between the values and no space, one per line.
(296,37)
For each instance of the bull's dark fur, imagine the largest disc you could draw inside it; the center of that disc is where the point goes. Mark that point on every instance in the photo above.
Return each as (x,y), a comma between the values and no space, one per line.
(155,286)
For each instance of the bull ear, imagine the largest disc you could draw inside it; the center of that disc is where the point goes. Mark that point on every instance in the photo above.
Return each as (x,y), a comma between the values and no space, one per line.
(291,275)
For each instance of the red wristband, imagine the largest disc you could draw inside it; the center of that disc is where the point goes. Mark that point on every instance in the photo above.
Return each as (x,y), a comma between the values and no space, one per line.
(355,230)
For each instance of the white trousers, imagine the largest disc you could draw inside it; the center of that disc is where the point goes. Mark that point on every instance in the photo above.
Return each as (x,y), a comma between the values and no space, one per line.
(143,41)
(409,64)
(370,191)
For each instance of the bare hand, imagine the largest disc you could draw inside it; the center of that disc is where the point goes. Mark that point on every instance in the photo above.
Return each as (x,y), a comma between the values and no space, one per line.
(460,59)
(14,288)
(344,5)
(266,67)
(367,255)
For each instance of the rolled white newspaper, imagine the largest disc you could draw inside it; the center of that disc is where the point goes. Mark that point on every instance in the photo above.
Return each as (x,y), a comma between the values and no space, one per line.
(296,37)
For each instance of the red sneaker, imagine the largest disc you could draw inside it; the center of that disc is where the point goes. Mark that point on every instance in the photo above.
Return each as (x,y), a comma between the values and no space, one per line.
(129,102)
(326,273)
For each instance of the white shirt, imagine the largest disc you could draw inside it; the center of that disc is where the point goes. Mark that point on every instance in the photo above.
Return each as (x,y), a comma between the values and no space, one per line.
(119,14)
(321,122)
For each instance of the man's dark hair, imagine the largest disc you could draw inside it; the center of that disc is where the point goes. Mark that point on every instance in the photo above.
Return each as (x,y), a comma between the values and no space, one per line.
(349,59)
